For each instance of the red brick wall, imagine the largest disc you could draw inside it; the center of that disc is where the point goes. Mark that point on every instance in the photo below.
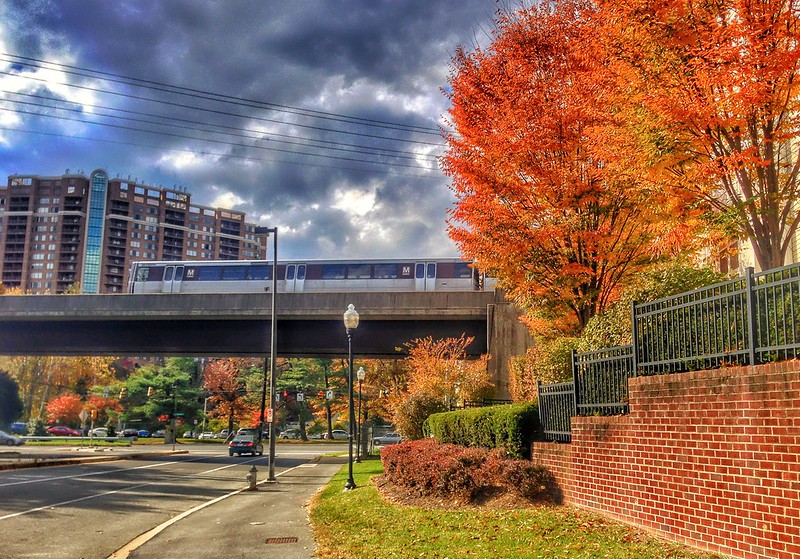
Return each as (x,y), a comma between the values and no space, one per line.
(709,458)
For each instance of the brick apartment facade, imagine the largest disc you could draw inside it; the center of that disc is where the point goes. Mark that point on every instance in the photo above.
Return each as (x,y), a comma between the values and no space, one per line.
(56,232)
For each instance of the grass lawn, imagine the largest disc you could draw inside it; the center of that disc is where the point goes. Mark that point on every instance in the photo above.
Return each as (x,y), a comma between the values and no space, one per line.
(360,524)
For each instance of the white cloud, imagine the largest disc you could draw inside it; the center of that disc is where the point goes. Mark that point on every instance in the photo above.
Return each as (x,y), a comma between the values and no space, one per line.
(227,200)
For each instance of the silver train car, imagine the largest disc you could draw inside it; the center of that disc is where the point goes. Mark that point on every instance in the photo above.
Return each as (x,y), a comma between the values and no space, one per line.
(317,276)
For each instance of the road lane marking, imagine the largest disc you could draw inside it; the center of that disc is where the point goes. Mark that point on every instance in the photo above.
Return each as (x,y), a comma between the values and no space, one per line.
(79,499)
(103,473)
(103,494)
(139,541)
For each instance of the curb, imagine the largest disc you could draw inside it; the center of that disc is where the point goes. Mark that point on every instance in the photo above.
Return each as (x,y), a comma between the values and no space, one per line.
(68,460)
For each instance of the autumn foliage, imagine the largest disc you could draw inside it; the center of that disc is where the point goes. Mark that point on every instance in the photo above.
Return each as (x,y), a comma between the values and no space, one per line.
(547,200)
(590,138)
(712,89)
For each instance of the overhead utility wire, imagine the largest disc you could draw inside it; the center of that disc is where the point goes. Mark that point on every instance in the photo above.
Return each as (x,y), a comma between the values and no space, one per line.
(359,148)
(213,111)
(210,95)
(396,153)
(213,154)
(234,144)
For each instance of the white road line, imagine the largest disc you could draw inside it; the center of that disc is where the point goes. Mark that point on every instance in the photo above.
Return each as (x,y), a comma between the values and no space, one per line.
(136,543)
(55,505)
(62,503)
(103,473)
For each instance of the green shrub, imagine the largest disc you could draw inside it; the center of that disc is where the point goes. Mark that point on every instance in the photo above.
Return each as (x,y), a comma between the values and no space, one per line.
(510,428)
(411,414)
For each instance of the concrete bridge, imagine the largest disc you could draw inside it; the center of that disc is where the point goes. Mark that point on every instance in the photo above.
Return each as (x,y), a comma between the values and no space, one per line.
(238,324)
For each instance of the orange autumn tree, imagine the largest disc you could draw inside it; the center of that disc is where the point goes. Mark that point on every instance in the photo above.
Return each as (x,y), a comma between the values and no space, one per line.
(713,90)
(439,367)
(545,203)
(64,409)
(224,381)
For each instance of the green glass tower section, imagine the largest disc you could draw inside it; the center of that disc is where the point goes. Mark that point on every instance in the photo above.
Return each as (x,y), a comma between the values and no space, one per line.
(98,187)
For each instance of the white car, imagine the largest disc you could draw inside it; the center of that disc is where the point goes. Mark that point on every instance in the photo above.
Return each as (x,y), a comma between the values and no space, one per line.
(10,440)
(206,435)
(99,432)
(389,438)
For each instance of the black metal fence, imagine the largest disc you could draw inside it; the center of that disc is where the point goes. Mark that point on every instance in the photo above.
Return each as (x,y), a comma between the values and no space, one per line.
(750,320)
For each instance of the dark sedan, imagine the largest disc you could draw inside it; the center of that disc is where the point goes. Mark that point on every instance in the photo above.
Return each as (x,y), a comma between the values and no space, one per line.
(245,444)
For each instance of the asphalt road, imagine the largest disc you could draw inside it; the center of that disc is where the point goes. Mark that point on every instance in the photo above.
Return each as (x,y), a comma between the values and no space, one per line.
(187,505)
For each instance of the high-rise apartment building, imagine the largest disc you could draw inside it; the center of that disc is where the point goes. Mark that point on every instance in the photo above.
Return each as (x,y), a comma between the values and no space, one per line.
(60,232)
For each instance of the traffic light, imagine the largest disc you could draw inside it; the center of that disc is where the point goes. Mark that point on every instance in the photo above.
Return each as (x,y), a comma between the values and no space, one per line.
(123,392)
(149,391)
(94,415)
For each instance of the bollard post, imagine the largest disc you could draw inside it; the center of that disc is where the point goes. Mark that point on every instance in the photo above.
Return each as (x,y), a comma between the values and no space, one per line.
(252,478)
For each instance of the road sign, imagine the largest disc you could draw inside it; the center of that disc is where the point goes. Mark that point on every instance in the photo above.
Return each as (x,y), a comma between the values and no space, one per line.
(300,397)
(329,395)
(83,415)
(269,415)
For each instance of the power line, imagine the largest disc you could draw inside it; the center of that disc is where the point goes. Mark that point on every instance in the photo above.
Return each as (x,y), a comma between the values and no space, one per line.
(376,151)
(218,112)
(339,146)
(223,142)
(208,95)
(221,155)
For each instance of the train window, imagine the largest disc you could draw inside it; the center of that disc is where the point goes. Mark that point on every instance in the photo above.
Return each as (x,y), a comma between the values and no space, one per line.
(168,274)
(385,271)
(431,269)
(419,271)
(143,273)
(179,273)
(333,271)
(359,271)
(233,273)
(301,272)
(260,273)
(462,270)
(209,273)
(290,273)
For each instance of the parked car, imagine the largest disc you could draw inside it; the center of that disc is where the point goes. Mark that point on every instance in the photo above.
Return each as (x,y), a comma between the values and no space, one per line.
(129,434)
(245,444)
(144,433)
(19,428)
(10,440)
(289,434)
(206,435)
(338,434)
(317,436)
(159,434)
(389,438)
(99,432)
(62,431)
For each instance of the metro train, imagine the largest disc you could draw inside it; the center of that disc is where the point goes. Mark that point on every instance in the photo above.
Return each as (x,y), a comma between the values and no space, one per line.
(243,276)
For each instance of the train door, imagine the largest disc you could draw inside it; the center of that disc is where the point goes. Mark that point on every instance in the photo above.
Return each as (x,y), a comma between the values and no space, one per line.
(295,277)
(425,276)
(173,275)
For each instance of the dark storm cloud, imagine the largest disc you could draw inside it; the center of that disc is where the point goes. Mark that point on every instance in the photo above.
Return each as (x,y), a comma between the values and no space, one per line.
(384,61)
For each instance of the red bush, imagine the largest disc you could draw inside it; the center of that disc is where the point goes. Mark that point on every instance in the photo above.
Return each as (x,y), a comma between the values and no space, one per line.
(427,468)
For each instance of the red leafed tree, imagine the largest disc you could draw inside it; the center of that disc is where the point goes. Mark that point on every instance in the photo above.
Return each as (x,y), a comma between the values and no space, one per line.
(546,200)
(65,408)
(224,381)
(713,88)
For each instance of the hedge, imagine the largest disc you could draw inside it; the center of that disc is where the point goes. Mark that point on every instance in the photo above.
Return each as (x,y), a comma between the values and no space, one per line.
(510,428)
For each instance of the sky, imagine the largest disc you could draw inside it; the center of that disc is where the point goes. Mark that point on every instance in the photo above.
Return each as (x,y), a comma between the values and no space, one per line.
(321,118)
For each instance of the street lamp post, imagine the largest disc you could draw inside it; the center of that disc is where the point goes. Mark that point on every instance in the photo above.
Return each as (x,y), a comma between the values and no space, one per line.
(350,325)
(361,374)
(272,358)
